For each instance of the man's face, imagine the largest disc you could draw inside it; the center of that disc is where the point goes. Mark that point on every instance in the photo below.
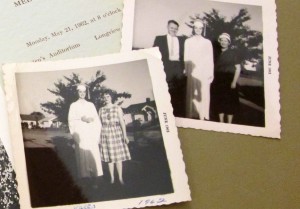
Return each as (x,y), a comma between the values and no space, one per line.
(172,29)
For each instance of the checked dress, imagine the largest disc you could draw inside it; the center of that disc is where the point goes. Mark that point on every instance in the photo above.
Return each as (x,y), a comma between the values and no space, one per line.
(112,144)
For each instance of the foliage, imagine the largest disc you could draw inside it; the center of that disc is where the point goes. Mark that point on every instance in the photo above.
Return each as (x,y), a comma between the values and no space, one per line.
(66,91)
(247,41)
(38,115)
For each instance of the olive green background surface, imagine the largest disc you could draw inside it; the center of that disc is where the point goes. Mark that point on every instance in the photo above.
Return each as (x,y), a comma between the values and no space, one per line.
(231,171)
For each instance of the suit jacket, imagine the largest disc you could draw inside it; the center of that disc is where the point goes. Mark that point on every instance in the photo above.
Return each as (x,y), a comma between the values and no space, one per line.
(162,43)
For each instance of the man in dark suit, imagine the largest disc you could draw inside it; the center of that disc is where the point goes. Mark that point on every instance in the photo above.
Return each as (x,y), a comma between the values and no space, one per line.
(171,48)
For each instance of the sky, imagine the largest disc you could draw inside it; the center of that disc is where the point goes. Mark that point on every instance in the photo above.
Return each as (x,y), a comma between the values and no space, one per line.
(151,16)
(32,87)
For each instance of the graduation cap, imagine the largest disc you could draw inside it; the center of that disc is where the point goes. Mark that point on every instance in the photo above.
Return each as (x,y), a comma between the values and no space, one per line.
(83,87)
(201,24)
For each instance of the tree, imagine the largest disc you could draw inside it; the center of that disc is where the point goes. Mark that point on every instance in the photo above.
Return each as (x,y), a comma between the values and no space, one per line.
(37,116)
(246,41)
(66,92)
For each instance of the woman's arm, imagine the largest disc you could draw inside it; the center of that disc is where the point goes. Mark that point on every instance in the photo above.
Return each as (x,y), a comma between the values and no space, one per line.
(123,126)
(236,75)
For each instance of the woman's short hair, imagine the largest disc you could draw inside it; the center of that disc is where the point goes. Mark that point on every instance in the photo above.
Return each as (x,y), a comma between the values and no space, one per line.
(111,94)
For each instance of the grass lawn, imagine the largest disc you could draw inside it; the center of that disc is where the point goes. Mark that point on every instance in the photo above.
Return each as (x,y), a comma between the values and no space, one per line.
(38,138)
(42,138)
(51,169)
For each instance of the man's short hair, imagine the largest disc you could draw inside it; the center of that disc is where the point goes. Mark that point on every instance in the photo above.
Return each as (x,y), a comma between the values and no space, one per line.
(174,22)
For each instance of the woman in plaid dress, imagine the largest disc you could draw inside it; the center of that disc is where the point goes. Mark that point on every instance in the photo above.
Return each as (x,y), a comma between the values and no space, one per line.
(113,137)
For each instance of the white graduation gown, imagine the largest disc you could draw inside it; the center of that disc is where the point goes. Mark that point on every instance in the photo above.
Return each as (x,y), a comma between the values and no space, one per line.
(198,56)
(86,136)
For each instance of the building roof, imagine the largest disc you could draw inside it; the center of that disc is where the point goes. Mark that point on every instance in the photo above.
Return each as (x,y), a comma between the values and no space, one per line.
(138,108)
(46,119)
(31,117)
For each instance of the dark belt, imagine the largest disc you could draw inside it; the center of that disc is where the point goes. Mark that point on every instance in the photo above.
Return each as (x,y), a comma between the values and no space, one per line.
(111,124)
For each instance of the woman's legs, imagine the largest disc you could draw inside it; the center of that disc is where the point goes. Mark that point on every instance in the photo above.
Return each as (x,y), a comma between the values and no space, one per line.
(111,172)
(221,117)
(120,171)
(119,166)
(229,118)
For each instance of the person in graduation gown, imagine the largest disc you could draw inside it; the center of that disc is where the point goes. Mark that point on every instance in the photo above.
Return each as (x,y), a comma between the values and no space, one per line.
(199,66)
(227,72)
(85,126)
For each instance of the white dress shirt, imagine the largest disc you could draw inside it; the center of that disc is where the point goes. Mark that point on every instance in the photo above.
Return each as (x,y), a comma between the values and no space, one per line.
(173,46)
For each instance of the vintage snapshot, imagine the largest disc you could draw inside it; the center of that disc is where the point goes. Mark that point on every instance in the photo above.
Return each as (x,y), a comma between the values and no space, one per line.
(220,59)
(95,133)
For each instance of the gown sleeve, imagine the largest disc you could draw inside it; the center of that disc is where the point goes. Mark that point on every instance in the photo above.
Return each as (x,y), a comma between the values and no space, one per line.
(188,56)
(72,118)
(187,50)
(210,60)
(96,119)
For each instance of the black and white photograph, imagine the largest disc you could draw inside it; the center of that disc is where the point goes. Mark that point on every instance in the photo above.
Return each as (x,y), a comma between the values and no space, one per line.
(93,134)
(214,59)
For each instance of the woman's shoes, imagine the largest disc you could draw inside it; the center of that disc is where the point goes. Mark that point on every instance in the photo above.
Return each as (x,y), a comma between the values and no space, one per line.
(121,182)
(112,181)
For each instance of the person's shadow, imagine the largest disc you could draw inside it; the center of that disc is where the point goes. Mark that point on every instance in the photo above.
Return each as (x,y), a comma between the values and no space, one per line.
(193,93)
(52,174)
(64,148)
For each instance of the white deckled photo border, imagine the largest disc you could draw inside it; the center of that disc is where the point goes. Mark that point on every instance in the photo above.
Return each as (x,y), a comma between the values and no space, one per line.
(271,86)
(164,111)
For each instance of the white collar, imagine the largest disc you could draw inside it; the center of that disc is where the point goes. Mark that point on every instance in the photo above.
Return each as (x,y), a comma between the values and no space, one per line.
(168,35)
